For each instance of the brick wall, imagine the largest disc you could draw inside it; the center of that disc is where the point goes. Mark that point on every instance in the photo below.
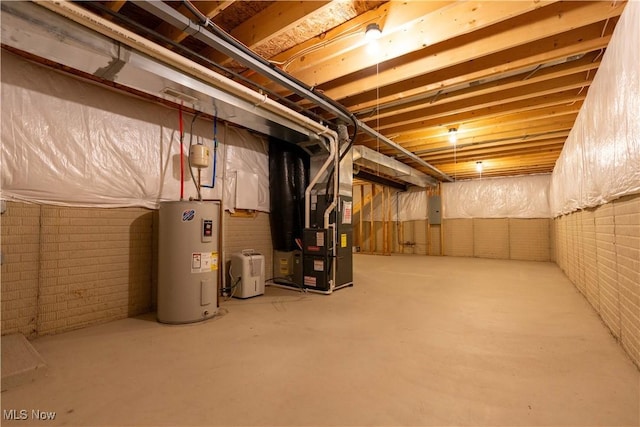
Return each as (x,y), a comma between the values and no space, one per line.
(249,233)
(491,238)
(458,237)
(530,239)
(21,251)
(599,250)
(501,238)
(67,268)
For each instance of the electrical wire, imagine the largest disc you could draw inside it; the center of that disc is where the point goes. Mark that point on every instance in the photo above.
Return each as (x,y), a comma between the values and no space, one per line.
(195,183)
(181,126)
(215,151)
(216,30)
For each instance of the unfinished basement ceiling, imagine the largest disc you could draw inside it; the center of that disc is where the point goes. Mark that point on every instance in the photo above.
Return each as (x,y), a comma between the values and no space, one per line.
(510,76)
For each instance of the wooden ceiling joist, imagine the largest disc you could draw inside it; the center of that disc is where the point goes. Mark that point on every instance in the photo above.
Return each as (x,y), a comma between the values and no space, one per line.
(208,8)
(558,18)
(587,63)
(495,99)
(272,22)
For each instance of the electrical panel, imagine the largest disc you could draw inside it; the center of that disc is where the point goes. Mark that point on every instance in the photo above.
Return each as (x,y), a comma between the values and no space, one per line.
(435,207)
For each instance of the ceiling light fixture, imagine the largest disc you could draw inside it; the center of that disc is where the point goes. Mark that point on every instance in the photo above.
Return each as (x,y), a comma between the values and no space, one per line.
(479,167)
(373,32)
(453,135)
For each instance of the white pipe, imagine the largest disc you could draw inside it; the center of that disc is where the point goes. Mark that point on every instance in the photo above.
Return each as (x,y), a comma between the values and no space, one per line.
(126,37)
(333,142)
(223,253)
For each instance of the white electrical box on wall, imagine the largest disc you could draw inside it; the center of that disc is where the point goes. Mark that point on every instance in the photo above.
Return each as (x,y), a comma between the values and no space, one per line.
(246,190)
(247,274)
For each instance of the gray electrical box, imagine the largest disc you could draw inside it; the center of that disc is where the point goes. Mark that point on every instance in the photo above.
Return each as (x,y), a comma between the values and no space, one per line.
(435,210)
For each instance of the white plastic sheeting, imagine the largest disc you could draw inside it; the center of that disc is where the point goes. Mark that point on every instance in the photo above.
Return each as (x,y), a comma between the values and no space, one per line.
(68,142)
(412,205)
(600,160)
(513,197)
(409,205)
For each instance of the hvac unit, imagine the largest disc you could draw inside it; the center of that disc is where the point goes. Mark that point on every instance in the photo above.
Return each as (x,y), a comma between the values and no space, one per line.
(247,274)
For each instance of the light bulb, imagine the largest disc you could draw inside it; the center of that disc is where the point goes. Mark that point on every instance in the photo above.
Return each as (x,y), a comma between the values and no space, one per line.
(373,32)
(453,135)
(479,166)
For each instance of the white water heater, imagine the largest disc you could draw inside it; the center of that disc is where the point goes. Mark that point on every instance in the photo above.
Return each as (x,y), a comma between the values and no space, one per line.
(188,261)
(247,274)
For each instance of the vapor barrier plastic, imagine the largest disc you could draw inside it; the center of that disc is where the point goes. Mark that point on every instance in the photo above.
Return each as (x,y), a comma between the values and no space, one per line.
(600,161)
(412,205)
(72,143)
(249,153)
(513,197)
(408,205)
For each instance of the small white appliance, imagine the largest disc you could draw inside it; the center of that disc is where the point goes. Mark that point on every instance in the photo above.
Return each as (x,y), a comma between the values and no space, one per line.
(247,274)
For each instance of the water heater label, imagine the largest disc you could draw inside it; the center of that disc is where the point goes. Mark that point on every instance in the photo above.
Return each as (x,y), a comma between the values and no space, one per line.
(196,262)
(204,262)
(214,261)
(188,215)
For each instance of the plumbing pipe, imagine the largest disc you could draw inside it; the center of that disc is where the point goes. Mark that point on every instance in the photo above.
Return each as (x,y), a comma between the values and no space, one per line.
(129,38)
(181,153)
(232,48)
(331,136)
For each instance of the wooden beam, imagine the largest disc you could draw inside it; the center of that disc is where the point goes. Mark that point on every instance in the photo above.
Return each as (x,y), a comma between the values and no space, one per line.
(350,35)
(432,27)
(526,29)
(499,98)
(115,6)
(275,20)
(210,9)
(361,220)
(430,82)
(587,64)
(483,153)
(406,132)
(535,129)
(432,130)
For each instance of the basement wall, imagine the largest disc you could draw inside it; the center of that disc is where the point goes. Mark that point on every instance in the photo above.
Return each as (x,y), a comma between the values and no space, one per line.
(66,268)
(84,169)
(525,239)
(599,250)
(595,190)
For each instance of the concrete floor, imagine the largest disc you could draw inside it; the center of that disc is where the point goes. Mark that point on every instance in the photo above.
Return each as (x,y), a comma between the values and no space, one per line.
(417,341)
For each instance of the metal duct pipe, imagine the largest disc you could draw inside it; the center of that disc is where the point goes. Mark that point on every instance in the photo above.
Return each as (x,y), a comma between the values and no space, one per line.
(128,38)
(115,32)
(373,159)
(253,61)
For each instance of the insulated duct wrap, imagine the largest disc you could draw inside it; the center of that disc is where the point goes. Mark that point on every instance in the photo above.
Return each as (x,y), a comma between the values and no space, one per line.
(600,161)
(288,178)
(514,197)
